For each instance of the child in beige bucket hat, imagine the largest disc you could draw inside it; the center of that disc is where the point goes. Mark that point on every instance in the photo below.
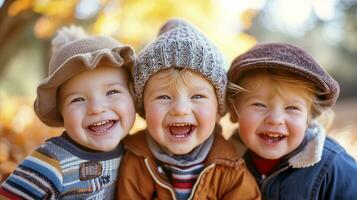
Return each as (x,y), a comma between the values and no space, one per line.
(86,92)
(278,95)
(180,85)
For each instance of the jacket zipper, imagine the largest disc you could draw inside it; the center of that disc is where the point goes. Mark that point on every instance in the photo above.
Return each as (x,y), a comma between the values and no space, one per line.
(266,180)
(199,178)
(159,181)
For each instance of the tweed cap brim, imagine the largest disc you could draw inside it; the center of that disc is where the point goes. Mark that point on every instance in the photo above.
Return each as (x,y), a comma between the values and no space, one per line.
(75,62)
(281,56)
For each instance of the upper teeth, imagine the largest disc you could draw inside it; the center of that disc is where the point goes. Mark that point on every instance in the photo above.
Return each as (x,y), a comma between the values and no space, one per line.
(101,123)
(273,134)
(183,124)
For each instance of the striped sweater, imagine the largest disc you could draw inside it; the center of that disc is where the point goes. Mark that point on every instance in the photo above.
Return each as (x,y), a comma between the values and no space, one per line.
(183,178)
(61,169)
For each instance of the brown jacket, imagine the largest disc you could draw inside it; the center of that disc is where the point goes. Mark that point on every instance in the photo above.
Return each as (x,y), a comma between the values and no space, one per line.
(224,177)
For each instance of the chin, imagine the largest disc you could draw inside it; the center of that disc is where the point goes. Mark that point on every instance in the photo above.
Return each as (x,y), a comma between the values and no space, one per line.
(180,152)
(105,148)
(271,156)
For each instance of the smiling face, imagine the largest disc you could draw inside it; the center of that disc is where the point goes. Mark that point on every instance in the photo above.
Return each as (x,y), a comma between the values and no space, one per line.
(97,107)
(272,115)
(180,109)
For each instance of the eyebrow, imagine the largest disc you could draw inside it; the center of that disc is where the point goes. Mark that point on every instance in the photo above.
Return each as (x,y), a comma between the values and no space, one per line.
(298,101)
(289,101)
(65,96)
(250,96)
(199,88)
(106,85)
(116,83)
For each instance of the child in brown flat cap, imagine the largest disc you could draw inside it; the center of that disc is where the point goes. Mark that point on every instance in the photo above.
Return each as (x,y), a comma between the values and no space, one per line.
(87,93)
(180,85)
(276,92)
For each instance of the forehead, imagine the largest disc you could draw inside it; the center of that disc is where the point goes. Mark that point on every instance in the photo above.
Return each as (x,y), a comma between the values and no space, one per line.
(98,76)
(178,78)
(269,85)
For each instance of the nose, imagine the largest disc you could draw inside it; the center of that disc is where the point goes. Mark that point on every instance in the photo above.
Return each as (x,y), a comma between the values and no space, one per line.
(275,117)
(180,107)
(96,107)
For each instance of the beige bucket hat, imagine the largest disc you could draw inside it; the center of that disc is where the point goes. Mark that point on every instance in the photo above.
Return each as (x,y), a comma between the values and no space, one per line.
(74,55)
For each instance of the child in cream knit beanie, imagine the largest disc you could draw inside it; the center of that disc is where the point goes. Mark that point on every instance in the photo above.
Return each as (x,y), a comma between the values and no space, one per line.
(180,45)
(180,84)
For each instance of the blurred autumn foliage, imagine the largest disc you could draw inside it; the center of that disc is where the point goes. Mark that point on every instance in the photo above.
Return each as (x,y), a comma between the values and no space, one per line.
(233,25)
(20,133)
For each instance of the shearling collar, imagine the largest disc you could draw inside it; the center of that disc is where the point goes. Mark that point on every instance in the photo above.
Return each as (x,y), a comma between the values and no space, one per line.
(312,152)
(307,156)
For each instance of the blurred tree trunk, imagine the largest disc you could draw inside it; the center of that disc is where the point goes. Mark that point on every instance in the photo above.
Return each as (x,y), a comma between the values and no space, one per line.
(13,29)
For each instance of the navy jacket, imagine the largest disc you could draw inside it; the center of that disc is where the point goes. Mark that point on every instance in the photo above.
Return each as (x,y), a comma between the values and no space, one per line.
(318,169)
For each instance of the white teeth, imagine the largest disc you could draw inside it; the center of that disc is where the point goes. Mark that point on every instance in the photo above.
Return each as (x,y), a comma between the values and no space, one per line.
(101,123)
(183,124)
(181,136)
(274,135)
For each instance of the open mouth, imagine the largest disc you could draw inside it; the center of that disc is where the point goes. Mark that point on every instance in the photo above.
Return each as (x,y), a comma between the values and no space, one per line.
(102,127)
(272,137)
(180,130)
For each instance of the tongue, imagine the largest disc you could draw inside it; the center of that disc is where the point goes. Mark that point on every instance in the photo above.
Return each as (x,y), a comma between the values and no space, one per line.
(101,128)
(179,130)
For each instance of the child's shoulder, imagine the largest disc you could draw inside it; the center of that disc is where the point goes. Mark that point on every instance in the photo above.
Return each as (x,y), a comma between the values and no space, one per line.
(56,148)
(51,148)
(137,144)
(135,139)
(332,146)
(334,151)
(224,151)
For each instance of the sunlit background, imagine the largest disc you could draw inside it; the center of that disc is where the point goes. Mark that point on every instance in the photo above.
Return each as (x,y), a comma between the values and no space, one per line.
(326,28)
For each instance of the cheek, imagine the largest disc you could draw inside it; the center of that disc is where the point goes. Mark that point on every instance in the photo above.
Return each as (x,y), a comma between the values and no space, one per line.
(72,116)
(245,127)
(207,115)
(298,126)
(207,111)
(125,106)
(154,114)
(248,122)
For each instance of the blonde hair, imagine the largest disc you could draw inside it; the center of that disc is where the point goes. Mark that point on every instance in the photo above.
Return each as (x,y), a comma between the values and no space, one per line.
(245,84)
(176,77)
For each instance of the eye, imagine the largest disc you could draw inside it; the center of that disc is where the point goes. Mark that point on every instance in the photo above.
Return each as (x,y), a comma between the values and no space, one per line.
(111,92)
(292,108)
(79,99)
(198,96)
(259,105)
(165,97)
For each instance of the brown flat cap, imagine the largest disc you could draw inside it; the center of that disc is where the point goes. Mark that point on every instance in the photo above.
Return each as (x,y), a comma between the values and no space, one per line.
(282,56)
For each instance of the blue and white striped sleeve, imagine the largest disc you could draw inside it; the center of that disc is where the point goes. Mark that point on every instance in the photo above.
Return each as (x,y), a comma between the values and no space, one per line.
(38,176)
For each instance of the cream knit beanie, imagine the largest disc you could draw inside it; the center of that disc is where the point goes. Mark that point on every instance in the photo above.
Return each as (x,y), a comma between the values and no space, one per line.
(181,45)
